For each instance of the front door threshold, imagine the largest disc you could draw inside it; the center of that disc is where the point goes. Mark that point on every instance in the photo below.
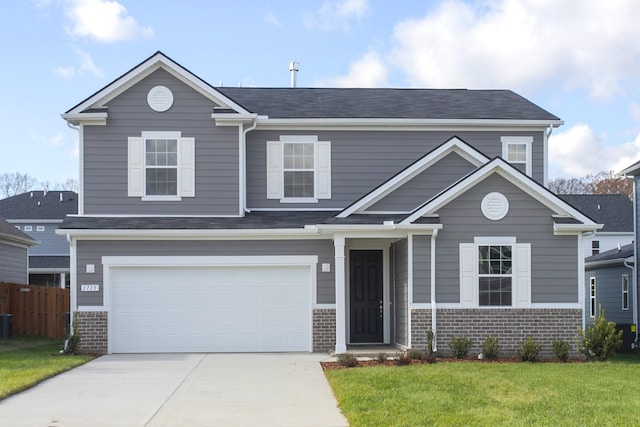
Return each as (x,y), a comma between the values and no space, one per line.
(372,350)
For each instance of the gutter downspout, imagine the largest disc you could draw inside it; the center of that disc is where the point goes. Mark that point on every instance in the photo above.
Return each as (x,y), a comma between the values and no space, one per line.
(73,279)
(545,155)
(243,164)
(634,344)
(80,168)
(433,290)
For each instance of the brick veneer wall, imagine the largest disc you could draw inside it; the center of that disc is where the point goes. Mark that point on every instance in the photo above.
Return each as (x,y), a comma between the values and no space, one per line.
(92,326)
(324,330)
(510,326)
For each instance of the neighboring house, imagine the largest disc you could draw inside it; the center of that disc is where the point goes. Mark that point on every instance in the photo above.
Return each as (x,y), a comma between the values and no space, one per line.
(610,286)
(614,211)
(295,219)
(38,214)
(14,260)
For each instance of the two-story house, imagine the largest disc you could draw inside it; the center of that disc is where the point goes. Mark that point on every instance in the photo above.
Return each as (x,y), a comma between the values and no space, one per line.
(38,214)
(221,219)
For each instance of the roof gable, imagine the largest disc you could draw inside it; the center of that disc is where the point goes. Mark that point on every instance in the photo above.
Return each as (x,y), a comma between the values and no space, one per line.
(10,234)
(453,145)
(517,178)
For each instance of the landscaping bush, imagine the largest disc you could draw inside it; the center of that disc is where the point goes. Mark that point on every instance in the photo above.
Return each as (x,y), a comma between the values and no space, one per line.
(529,350)
(460,347)
(403,361)
(347,360)
(600,341)
(430,343)
(491,347)
(415,354)
(560,349)
(382,357)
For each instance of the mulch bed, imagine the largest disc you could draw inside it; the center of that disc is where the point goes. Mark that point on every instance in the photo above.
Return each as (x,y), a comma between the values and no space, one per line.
(394,362)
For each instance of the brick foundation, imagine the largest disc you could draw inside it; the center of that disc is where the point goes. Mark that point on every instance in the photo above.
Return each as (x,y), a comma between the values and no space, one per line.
(92,327)
(324,330)
(510,326)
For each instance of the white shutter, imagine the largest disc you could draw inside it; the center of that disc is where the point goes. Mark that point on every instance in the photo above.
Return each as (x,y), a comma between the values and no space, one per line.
(274,170)
(468,281)
(187,167)
(323,166)
(136,166)
(523,275)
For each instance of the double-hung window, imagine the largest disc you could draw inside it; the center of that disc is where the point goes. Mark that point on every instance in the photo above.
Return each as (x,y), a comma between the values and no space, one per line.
(298,169)
(161,166)
(625,292)
(516,150)
(495,272)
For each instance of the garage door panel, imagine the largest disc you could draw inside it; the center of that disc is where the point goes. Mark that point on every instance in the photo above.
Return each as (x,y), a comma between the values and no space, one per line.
(210,309)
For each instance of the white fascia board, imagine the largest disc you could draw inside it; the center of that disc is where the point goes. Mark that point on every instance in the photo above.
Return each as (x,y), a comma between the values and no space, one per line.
(383,122)
(143,70)
(231,119)
(34,221)
(11,240)
(89,119)
(454,145)
(608,262)
(521,181)
(566,229)
(195,234)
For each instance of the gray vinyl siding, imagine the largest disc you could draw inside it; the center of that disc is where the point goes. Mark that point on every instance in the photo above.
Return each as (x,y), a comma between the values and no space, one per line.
(400,292)
(14,264)
(216,155)
(50,243)
(422,269)
(554,259)
(609,293)
(425,185)
(362,160)
(91,252)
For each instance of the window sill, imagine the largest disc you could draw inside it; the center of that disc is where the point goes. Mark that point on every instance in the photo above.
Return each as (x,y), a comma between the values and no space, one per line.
(161,198)
(299,200)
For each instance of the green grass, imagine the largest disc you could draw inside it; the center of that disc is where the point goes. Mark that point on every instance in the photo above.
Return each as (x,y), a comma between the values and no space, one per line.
(491,394)
(26,361)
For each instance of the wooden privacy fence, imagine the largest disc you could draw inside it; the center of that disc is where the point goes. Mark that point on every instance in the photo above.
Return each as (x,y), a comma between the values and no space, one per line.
(36,310)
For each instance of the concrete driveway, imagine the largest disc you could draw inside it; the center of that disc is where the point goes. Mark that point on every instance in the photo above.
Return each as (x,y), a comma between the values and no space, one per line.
(182,390)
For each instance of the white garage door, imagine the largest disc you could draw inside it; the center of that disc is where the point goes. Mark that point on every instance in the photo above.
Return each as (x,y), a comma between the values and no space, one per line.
(209,309)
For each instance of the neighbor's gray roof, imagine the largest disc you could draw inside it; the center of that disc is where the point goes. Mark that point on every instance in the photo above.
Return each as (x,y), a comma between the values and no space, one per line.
(615,211)
(39,205)
(253,220)
(289,103)
(625,251)
(57,262)
(10,232)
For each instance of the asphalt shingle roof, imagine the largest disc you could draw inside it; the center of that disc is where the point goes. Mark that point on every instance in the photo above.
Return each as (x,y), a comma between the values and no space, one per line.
(615,211)
(288,103)
(39,205)
(38,261)
(10,230)
(625,252)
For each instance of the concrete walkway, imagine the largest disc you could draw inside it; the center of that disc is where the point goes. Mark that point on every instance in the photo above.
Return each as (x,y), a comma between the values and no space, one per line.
(182,390)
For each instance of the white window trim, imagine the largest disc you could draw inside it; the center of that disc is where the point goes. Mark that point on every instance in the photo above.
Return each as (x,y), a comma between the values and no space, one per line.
(321,169)
(526,140)
(137,166)
(625,277)
(27,228)
(592,297)
(521,272)
(40,228)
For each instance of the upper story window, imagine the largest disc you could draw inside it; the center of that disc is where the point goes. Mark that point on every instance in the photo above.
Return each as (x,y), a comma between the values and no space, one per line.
(298,169)
(595,247)
(516,150)
(27,228)
(40,228)
(161,166)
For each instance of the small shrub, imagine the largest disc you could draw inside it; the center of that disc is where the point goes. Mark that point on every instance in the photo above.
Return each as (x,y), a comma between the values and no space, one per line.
(430,343)
(490,348)
(382,357)
(403,361)
(415,354)
(600,341)
(347,360)
(460,347)
(560,349)
(529,350)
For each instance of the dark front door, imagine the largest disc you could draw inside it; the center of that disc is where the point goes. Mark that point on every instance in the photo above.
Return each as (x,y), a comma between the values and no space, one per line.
(365,296)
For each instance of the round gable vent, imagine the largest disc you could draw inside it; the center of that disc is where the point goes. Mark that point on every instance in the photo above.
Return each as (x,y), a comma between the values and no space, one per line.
(160,98)
(495,206)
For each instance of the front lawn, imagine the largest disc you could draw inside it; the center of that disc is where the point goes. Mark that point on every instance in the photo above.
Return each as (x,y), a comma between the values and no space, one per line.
(491,394)
(26,361)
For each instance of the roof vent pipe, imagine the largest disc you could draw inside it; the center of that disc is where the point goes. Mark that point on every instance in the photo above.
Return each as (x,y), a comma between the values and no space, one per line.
(293,68)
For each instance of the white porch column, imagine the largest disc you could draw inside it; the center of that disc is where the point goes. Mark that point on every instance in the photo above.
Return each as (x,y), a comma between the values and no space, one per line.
(63,280)
(341,304)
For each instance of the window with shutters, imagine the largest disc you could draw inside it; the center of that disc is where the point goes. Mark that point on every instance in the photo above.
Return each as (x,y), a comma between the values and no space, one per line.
(161,166)
(494,275)
(516,150)
(298,169)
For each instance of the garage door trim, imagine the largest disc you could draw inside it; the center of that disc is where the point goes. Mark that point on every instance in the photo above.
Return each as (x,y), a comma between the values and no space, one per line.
(110,262)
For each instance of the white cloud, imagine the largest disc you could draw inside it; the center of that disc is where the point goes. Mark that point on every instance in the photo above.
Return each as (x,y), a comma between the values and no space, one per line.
(103,20)
(272,19)
(337,15)
(368,71)
(579,151)
(85,65)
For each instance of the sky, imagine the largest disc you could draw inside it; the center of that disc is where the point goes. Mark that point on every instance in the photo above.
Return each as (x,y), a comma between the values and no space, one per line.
(578,59)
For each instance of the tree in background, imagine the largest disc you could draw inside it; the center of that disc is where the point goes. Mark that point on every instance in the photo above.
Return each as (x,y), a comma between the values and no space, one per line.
(605,182)
(12,184)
